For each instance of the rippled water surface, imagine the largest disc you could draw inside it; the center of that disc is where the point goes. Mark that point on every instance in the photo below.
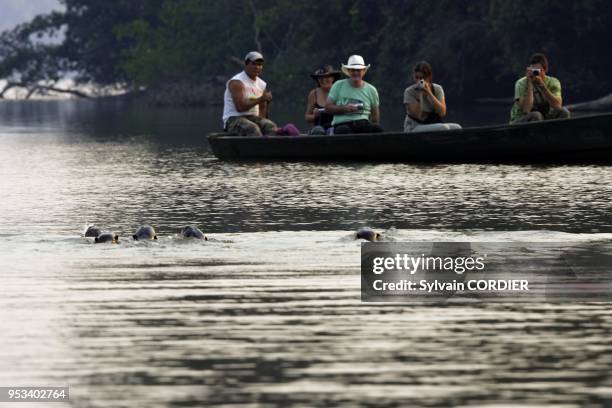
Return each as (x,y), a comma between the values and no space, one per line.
(268,311)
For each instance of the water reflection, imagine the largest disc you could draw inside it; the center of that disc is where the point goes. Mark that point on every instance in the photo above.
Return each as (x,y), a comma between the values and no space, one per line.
(57,186)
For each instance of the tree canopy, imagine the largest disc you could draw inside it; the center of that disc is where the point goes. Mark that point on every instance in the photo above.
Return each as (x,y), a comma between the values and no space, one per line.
(477,47)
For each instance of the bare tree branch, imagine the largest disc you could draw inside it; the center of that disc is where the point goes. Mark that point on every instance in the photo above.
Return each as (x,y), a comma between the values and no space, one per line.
(9,85)
(34,88)
(66,91)
(31,91)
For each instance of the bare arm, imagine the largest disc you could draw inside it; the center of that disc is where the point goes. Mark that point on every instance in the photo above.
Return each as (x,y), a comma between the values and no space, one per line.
(264,104)
(415,109)
(375,115)
(334,109)
(554,101)
(526,102)
(263,109)
(311,114)
(438,104)
(236,89)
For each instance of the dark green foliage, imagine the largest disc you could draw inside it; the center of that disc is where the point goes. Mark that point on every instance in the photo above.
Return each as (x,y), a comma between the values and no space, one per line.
(24,58)
(477,47)
(574,34)
(79,40)
(90,39)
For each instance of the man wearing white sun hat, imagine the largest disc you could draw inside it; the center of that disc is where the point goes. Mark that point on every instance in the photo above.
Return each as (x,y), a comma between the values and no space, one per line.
(354,102)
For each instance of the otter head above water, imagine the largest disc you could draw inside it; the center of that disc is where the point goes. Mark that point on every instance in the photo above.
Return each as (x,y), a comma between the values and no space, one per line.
(107,237)
(92,231)
(192,232)
(145,232)
(368,234)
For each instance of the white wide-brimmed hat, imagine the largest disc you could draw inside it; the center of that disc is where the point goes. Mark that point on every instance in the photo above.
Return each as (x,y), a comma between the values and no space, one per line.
(354,62)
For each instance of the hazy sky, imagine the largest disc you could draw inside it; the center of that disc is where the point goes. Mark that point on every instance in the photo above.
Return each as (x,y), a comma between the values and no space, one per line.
(13,12)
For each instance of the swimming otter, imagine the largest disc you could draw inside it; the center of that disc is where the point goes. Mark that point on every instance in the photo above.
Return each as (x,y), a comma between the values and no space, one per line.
(92,231)
(107,237)
(145,232)
(192,232)
(368,234)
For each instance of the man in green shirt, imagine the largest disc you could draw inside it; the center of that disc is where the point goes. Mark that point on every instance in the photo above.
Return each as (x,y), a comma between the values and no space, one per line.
(536,95)
(354,102)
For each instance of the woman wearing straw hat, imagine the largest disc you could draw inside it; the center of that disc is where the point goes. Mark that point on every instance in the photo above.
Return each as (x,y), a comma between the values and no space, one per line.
(317,98)
(354,102)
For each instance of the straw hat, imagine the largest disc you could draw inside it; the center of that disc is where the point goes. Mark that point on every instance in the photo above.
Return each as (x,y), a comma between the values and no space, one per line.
(326,70)
(354,62)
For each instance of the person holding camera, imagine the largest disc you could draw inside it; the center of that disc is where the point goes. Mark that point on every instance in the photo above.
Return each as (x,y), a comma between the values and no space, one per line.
(537,96)
(425,103)
(354,102)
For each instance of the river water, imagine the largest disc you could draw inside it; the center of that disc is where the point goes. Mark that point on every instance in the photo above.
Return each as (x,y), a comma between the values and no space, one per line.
(267,312)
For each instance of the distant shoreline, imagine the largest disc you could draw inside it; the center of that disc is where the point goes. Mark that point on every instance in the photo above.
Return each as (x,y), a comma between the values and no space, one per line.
(210,93)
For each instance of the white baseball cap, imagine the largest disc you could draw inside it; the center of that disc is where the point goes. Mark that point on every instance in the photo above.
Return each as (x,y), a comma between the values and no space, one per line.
(253,56)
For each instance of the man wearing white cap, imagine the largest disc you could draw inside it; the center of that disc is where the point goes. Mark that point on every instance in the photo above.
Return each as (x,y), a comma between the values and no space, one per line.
(246,98)
(354,102)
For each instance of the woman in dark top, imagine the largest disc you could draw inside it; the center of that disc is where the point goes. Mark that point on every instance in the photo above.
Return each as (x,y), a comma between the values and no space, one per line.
(315,110)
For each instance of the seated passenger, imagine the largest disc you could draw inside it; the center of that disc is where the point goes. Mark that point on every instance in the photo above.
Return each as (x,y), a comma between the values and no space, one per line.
(537,96)
(424,102)
(354,102)
(246,98)
(317,98)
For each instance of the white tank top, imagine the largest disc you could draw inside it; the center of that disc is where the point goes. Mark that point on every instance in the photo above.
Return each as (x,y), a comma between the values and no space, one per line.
(252,90)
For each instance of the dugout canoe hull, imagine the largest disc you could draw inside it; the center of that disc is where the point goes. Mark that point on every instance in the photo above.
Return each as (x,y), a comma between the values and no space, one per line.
(586,139)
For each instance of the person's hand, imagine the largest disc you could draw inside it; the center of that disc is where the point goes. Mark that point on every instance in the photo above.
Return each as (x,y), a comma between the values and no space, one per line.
(427,88)
(316,112)
(266,97)
(537,80)
(351,108)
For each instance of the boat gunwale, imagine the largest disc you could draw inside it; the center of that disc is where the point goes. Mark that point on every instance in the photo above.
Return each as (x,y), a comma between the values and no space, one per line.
(473,129)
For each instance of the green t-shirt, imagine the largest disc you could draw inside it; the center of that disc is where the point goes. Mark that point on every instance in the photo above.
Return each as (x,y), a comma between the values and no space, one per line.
(539,102)
(343,93)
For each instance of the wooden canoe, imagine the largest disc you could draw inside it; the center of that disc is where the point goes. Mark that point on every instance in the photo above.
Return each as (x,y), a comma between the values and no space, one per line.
(585,139)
